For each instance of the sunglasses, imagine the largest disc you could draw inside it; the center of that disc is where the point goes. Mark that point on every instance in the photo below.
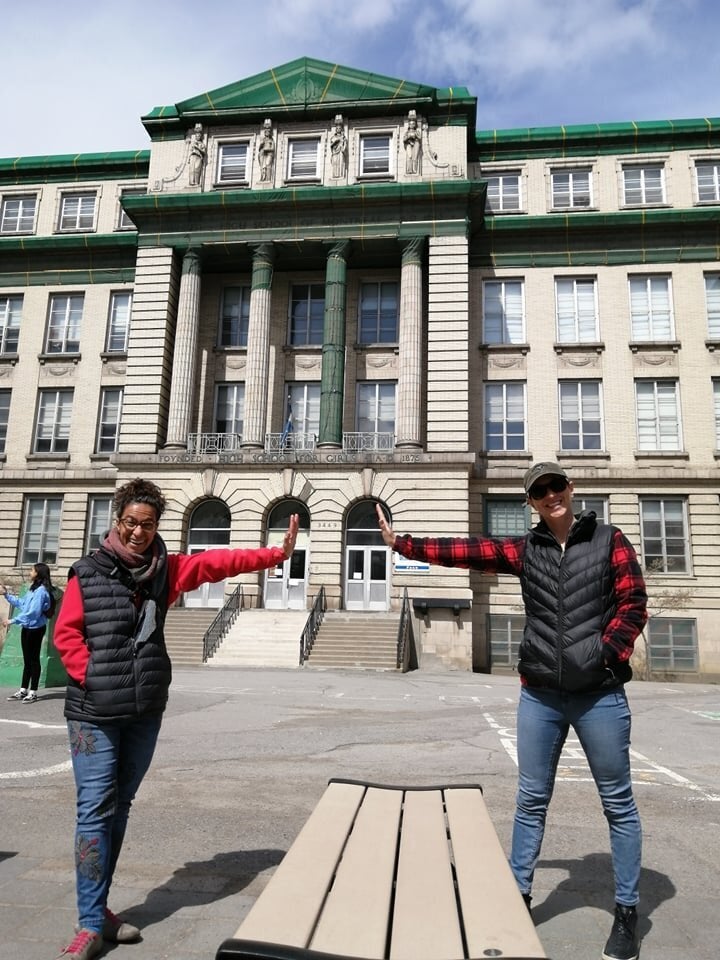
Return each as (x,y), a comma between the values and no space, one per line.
(538,490)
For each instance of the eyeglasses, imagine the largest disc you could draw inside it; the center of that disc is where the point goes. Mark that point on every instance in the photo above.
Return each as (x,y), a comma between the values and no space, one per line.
(538,490)
(130,523)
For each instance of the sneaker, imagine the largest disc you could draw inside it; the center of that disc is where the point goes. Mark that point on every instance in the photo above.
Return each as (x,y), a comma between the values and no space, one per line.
(20,695)
(30,698)
(116,930)
(87,944)
(623,940)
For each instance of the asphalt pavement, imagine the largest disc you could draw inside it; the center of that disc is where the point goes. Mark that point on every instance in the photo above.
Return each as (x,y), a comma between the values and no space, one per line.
(245,754)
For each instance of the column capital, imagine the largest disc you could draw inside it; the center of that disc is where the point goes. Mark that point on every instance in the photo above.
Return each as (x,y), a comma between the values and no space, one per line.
(263,252)
(339,249)
(192,260)
(412,249)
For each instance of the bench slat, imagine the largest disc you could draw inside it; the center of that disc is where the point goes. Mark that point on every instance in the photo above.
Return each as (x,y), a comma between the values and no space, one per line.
(355,919)
(494,914)
(287,909)
(425,921)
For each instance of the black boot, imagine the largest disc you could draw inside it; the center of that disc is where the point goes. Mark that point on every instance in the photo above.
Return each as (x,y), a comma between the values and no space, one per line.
(623,940)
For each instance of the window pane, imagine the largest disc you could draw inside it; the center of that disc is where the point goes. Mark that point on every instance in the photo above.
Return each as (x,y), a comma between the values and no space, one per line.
(99,521)
(232,162)
(109,425)
(230,408)
(235,316)
(119,325)
(307,310)
(18,214)
(64,327)
(41,530)
(712,299)
(303,162)
(10,314)
(506,518)
(4,417)
(379,310)
(503,311)
(505,633)
(375,154)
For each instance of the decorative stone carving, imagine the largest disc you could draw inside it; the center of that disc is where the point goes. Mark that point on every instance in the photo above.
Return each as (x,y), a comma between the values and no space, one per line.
(412,141)
(197,155)
(266,152)
(338,148)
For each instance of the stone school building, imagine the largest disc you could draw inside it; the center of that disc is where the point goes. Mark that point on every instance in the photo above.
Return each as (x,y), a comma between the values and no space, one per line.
(319,289)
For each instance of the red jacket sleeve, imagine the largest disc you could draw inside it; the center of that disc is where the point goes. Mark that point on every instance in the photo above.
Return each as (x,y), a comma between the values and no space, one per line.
(188,571)
(69,634)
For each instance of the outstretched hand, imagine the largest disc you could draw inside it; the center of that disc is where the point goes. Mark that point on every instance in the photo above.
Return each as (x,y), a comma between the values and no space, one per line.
(386,530)
(288,544)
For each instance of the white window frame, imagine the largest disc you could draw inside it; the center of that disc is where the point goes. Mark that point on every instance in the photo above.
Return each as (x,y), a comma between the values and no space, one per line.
(364,137)
(505,633)
(712,304)
(118,328)
(506,516)
(299,159)
(576,310)
(659,426)
(716,404)
(664,529)
(506,324)
(380,297)
(109,418)
(651,308)
(232,397)
(40,537)
(664,653)
(234,318)
(504,397)
(303,399)
(11,308)
(231,169)
(99,521)
(123,221)
(376,406)
(504,191)
(309,299)
(641,194)
(599,505)
(83,218)
(64,320)
(5,400)
(577,405)
(709,182)
(577,194)
(52,426)
(22,221)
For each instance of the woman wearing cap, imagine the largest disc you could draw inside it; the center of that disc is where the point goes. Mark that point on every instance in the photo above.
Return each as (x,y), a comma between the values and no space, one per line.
(585,604)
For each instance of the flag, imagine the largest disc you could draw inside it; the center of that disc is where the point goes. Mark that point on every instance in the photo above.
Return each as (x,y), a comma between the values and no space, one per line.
(288,425)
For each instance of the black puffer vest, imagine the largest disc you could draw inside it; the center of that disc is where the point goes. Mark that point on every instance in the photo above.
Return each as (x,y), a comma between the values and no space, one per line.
(569,601)
(125,679)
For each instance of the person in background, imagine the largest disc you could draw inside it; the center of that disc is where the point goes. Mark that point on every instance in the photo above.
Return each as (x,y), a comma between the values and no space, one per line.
(32,612)
(585,604)
(110,637)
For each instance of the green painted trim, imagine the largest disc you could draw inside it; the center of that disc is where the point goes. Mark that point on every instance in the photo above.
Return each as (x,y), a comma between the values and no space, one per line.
(620,219)
(126,165)
(75,278)
(598,258)
(63,243)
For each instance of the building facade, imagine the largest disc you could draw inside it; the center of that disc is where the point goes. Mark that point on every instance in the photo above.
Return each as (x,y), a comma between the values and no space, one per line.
(322,289)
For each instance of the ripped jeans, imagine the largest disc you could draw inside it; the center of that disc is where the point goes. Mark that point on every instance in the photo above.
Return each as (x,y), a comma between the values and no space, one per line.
(109,763)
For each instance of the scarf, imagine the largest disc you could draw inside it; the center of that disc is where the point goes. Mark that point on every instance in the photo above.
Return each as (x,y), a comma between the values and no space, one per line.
(141,567)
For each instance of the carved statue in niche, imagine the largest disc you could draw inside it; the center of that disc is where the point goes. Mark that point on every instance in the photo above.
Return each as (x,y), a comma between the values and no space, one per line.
(197,155)
(338,148)
(413,144)
(266,152)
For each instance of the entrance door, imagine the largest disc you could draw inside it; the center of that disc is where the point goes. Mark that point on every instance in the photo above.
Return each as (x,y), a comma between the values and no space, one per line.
(209,527)
(367,578)
(286,584)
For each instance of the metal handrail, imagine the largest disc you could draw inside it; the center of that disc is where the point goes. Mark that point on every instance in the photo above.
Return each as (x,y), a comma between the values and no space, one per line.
(222,622)
(312,625)
(404,631)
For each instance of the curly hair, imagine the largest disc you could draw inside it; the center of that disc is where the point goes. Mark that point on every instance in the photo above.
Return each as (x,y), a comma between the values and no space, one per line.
(139,491)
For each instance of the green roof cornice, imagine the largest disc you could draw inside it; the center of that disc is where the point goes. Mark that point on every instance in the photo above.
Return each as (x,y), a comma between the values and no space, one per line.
(307,89)
(70,243)
(74,168)
(602,138)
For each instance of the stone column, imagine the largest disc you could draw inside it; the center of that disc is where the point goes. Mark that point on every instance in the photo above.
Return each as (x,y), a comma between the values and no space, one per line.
(333,350)
(409,390)
(182,385)
(258,348)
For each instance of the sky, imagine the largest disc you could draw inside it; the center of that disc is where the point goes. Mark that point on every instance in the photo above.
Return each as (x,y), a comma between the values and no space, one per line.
(82,73)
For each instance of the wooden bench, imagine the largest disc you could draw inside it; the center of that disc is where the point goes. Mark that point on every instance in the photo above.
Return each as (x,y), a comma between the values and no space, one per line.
(390,873)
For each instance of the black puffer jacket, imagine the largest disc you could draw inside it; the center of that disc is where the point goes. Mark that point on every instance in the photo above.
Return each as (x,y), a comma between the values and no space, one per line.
(125,678)
(569,601)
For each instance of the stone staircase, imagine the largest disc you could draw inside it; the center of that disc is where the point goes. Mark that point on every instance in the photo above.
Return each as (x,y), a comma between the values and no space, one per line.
(357,640)
(185,628)
(262,638)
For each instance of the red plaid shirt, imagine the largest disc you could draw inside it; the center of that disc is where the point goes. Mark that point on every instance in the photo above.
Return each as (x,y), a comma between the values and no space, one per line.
(506,555)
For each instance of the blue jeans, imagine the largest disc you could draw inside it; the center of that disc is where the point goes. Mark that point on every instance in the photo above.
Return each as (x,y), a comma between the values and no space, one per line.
(602,724)
(109,763)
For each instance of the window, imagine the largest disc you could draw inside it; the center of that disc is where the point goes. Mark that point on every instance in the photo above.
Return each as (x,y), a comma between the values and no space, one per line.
(658,415)
(503,311)
(109,421)
(18,214)
(712,301)
(10,313)
(672,644)
(505,632)
(303,159)
(643,186)
(99,521)
(307,312)
(52,430)
(576,310)
(505,416)
(571,189)
(580,415)
(375,155)
(4,418)
(664,535)
(650,308)
(716,398)
(708,181)
(234,317)
(41,530)
(503,192)
(506,517)
(124,221)
(232,163)
(119,322)
(77,211)
(599,506)
(376,407)
(64,327)
(379,312)
(302,417)
(230,408)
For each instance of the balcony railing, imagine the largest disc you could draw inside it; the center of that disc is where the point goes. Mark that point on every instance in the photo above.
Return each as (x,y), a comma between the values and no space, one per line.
(368,442)
(214,442)
(289,442)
